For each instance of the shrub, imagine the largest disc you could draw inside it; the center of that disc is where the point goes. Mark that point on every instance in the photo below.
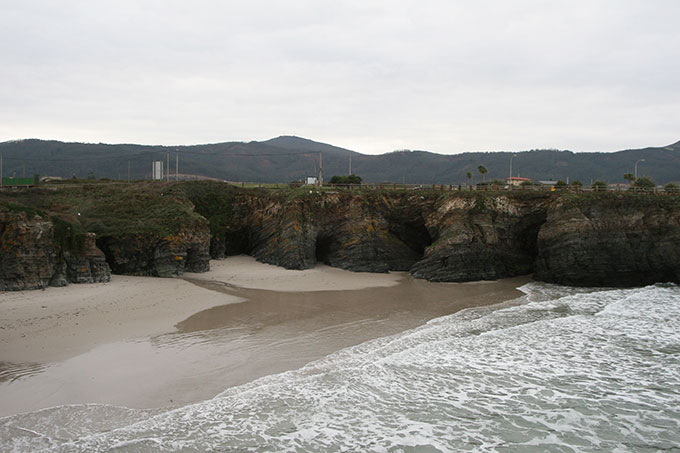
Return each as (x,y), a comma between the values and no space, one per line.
(349,179)
(599,186)
(68,235)
(671,188)
(644,183)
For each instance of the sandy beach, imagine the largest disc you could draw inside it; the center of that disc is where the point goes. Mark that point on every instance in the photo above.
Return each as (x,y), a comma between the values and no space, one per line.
(150,342)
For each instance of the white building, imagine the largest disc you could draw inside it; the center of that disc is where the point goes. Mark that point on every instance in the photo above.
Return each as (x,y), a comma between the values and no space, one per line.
(157,170)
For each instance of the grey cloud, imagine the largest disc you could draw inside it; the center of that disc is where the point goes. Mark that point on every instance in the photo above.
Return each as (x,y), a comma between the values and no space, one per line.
(448,76)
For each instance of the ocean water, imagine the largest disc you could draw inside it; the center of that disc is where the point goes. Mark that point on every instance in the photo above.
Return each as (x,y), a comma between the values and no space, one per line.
(560,369)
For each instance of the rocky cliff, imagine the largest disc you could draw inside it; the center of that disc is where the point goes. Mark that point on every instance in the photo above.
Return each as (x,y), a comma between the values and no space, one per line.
(574,239)
(82,233)
(32,257)
(610,240)
(358,232)
(158,256)
(435,236)
(482,238)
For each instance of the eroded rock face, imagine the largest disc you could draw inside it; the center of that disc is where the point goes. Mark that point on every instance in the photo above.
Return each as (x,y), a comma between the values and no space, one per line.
(341,229)
(363,234)
(88,265)
(150,255)
(465,237)
(282,234)
(603,240)
(30,259)
(481,239)
(28,255)
(609,242)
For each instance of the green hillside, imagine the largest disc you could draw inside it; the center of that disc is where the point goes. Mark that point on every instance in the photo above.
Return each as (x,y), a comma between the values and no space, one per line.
(285,159)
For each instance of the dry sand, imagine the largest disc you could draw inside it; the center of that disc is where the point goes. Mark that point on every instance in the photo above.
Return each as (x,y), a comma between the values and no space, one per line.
(243,271)
(149,342)
(58,323)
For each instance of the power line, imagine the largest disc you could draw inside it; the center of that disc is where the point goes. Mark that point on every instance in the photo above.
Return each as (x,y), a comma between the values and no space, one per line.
(228,154)
(87,159)
(75,159)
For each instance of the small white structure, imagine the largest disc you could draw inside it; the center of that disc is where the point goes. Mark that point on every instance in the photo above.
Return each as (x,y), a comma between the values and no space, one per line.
(516,181)
(50,178)
(157,170)
(311,181)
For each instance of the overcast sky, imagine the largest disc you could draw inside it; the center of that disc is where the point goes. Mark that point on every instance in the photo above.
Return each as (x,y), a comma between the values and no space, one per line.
(372,76)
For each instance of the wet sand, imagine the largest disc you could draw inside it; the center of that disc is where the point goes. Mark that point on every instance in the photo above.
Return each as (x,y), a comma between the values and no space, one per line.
(144,342)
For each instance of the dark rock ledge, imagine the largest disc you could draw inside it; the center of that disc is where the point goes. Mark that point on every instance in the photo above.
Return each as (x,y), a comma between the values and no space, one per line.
(581,240)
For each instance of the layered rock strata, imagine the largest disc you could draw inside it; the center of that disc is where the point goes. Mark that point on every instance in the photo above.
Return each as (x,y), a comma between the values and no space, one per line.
(610,241)
(581,240)
(31,258)
(151,255)
(343,230)
(573,239)
(481,239)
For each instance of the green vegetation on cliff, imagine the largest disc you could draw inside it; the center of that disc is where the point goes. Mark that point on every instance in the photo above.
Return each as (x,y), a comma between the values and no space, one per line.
(161,229)
(108,210)
(13,207)
(625,199)
(212,200)
(68,235)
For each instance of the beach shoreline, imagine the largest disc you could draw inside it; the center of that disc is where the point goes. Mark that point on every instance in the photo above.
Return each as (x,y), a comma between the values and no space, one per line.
(149,342)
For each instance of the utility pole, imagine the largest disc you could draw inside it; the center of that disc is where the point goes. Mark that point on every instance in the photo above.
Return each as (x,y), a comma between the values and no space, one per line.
(320,169)
(176,165)
(636,164)
(167,173)
(513,155)
(350,164)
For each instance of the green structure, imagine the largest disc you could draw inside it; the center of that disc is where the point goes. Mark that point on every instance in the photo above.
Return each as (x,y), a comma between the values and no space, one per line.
(14,182)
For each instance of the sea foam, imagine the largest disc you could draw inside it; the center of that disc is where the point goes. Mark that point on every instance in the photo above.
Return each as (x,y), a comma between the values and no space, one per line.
(560,369)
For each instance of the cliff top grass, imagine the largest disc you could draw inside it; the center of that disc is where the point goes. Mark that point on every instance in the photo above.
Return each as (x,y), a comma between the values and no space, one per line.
(632,199)
(15,208)
(212,200)
(113,210)
(162,209)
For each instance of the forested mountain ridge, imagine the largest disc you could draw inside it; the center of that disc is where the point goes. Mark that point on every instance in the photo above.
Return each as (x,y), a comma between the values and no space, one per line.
(288,158)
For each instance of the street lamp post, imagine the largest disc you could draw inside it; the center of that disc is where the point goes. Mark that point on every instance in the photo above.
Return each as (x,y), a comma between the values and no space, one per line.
(636,164)
(511,156)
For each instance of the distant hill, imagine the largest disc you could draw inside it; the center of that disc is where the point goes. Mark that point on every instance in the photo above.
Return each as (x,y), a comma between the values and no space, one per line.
(303,144)
(287,158)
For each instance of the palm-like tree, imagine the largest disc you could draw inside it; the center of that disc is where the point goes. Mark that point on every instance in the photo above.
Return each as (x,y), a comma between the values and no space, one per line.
(482,171)
(469,176)
(629,177)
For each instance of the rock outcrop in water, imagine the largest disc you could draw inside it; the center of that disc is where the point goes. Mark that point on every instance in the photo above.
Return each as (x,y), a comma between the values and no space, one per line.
(576,239)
